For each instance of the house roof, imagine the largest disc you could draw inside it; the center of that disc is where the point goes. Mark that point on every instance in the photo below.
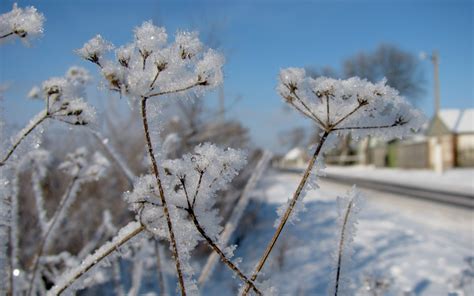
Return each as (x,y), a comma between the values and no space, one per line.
(458,121)
(294,154)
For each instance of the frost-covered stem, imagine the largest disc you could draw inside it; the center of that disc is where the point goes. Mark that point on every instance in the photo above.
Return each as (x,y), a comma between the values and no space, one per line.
(236,214)
(368,127)
(159,269)
(119,290)
(6,35)
(287,213)
(201,173)
(24,133)
(100,254)
(39,199)
(224,259)
(115,157)
(167,92)
(341,245)
(154,167)
(361,103)
(51,226)
(308,109)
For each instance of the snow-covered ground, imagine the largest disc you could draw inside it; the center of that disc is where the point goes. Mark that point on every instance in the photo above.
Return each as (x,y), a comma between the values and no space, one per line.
(414,246)
(455,180)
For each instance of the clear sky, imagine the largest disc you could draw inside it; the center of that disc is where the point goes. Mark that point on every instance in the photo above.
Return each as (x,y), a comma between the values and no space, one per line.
(258,38)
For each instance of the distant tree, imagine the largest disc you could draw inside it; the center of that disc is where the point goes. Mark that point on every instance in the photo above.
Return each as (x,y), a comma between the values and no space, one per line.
(400,68)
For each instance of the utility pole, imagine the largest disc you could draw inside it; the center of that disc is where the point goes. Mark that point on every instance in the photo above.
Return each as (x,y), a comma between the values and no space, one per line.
(221,103)
(435,61)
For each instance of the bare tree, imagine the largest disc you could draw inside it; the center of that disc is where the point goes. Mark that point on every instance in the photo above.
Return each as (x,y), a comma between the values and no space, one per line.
(401,68)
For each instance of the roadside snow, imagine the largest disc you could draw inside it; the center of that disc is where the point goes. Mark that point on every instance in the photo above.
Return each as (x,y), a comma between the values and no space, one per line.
(414,246)
(455,180)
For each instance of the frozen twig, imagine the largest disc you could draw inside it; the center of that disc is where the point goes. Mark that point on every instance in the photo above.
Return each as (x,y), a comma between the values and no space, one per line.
(127,233)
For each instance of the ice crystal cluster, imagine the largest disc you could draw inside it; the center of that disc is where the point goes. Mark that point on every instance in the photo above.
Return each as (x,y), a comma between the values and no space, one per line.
(25,23)
(152,66)
(64,97)
(190,185)
(353,105)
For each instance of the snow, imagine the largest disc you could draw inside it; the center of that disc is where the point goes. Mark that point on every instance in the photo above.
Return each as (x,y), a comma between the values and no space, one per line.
(417,247)
(460,180)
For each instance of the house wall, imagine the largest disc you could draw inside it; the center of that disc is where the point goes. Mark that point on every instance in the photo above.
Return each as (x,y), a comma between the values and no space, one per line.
(378,156)
(448,146)
(465,150)
(412,155)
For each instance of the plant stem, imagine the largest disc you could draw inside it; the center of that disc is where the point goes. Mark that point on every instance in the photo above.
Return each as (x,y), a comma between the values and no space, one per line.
(46,236)
(224,259)
(288,212)
(24,133)
(6,35)
(341,245)
(99,255)
(154,167)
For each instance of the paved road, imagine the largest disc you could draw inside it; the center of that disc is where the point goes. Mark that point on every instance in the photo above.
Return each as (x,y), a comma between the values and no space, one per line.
(446,197)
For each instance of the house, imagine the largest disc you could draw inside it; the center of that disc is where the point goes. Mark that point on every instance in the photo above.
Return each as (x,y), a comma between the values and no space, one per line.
(296,157)
(446,141)
(452,130)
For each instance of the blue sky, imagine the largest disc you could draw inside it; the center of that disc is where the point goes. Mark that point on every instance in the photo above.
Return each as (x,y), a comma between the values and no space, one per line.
(258,38)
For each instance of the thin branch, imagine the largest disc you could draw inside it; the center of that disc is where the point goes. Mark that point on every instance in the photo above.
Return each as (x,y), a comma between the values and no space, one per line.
(40,117)
(46,237)
(6,35)
(115,157)
(211,243)
(167,92)
(287,213)
(290,99)
(341,245)
(71,276)
(361,104)
(201,173)
(154,167)
(309,109)
(236,214)
(224,259)
(369,127)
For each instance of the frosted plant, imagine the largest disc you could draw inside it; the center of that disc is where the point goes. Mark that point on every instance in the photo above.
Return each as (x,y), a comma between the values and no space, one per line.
(340,107)
(148,68)
(24,23)
(63,97)
(349,207)
(81,169)
(38,162)
(191,184)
